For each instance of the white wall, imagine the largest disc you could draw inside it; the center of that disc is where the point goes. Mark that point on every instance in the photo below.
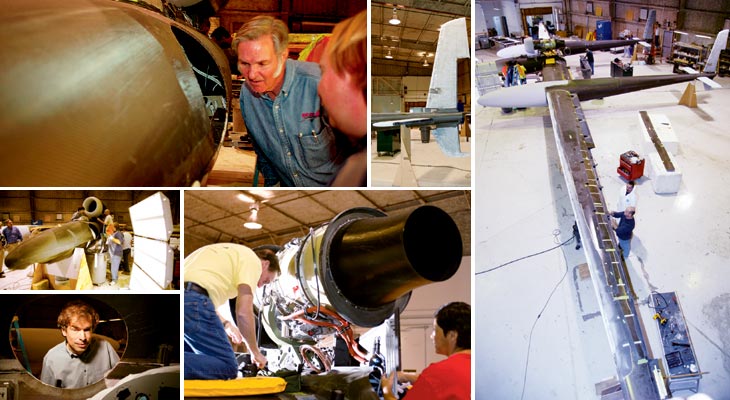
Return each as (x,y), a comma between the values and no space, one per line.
(385,104)
(415,88)
(508,9)
(417,350)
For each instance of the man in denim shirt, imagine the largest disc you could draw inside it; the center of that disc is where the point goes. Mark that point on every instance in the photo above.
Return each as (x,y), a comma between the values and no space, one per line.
(282,110)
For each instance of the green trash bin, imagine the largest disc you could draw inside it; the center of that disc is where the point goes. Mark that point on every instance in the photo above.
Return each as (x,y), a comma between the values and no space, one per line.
(388,142)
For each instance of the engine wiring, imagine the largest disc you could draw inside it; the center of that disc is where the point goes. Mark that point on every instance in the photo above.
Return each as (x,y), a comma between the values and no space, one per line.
(208,77)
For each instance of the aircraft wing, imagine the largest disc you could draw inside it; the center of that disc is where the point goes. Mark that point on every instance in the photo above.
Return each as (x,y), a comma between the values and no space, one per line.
(405,121)
(555,69)
(446,127)
(607,266)
(390,120)
(709,83)
(515,51)
(532,48)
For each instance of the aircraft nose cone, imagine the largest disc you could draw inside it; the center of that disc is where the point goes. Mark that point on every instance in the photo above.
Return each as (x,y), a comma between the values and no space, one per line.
(490,99)
(512,51)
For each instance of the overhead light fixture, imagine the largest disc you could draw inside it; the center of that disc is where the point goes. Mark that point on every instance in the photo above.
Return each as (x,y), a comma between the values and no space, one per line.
(680,32)
(252,222)
(703,36)
(389,56)
(394,20)
(246,198)
(425,62)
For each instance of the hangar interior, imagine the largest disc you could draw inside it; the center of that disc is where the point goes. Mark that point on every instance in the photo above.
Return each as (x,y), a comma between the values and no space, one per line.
(402,64)
(287,216)
(543,328)
(64,251)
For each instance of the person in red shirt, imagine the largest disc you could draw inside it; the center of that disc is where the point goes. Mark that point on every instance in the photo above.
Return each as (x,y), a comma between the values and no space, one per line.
(448,379)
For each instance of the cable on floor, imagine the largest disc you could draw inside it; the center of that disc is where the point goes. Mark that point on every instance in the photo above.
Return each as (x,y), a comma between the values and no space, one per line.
(527,256)
(529,341)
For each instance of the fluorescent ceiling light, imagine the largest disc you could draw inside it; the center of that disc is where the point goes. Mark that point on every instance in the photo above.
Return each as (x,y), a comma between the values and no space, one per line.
(680,32)
(703,36)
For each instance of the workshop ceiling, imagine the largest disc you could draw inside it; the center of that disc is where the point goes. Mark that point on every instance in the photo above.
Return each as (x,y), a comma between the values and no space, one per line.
(214,216)
(415,38)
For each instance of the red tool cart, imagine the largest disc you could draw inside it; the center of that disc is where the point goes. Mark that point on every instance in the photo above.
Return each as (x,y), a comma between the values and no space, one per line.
(631,166)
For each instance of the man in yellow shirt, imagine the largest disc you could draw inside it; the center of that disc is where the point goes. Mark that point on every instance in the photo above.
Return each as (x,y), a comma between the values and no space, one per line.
(213,275)
(521,73)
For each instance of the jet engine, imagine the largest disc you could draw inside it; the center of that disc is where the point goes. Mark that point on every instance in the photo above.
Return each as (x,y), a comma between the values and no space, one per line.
(108,93)
(359,269)
(59,242)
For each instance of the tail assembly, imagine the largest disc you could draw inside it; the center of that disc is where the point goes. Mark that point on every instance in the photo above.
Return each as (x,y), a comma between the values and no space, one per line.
(712,60)
(720,44)
(649,28)
(453,45)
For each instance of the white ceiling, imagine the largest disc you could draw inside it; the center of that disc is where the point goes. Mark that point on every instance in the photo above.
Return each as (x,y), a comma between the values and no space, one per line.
(214,216)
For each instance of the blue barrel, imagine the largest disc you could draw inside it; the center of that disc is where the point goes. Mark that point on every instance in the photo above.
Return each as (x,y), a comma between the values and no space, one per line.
(603,30)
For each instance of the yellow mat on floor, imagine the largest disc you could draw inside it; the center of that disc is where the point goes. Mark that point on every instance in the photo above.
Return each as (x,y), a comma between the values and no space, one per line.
(234,387)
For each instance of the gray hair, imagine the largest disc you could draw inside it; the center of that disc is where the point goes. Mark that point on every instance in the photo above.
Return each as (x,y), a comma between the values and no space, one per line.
(261,26)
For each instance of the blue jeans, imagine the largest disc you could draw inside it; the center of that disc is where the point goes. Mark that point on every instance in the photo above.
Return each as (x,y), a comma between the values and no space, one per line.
(625,245)
(115,266)
(208,353)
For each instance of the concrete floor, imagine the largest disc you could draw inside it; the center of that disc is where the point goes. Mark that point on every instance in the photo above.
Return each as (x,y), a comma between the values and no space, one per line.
(681,242)
(430,166)
(22,279)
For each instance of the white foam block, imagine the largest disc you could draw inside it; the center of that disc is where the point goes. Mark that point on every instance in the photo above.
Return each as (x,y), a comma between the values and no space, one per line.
(154,259)
(68,267)
(152,217)
(662,180)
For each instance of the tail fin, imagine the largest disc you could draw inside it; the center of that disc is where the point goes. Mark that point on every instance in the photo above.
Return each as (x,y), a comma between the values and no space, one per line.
(720,44)
(453,44)
(649,28)
(448,140)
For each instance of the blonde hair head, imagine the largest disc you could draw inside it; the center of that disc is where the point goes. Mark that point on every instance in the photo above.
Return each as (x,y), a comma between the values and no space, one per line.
(347,49)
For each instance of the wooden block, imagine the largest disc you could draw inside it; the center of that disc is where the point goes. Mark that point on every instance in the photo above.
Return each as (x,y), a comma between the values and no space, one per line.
(583,272)
(41,285)
(689,97)
(606,386)
(233,167)
(230,178)
(465,130)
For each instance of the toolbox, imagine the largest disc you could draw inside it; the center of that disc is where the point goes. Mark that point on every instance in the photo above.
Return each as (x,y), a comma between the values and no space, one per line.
(682,369)
(631,166)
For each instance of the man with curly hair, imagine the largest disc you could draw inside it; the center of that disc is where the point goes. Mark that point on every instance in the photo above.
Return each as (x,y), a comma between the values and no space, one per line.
(81,359)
